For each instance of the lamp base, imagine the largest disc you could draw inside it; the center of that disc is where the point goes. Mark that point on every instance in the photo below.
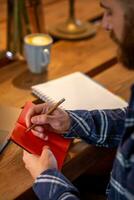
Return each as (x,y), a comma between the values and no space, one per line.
(73,30)
(14,56)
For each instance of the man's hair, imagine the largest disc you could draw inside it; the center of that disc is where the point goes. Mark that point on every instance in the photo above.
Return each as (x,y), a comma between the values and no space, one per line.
(127,47)
(128,6)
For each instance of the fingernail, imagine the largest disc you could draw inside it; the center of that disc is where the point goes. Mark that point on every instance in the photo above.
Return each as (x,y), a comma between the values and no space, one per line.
(41,135)
(46,137)
(46,147)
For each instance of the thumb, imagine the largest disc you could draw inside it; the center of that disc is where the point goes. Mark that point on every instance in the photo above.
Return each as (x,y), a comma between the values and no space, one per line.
(45,152)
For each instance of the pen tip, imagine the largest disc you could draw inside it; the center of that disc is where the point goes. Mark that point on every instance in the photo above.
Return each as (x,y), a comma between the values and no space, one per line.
(62,100)
(26,130)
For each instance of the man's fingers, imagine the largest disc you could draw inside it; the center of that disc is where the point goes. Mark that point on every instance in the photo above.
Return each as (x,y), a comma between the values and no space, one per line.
(38,134)
(46,152)
(28,117)
(39,119)
(39,129)
(33,111)
(26,155)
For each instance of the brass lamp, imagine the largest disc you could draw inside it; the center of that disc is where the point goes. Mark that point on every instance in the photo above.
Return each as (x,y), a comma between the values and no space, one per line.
(73,28)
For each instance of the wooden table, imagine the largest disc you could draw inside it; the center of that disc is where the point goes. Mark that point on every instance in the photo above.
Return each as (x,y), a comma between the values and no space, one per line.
(67,57)
(120,80)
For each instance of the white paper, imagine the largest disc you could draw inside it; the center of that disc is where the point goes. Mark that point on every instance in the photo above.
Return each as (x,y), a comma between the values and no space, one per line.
(80,92)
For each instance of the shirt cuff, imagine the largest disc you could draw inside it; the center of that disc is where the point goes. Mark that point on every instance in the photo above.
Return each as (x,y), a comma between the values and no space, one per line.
(52,184)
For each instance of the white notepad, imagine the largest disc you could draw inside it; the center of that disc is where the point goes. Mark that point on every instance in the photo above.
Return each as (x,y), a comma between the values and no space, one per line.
(80,92)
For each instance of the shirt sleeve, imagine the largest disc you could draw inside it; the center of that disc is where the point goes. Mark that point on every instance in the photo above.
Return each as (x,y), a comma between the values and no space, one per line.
(99,127)
(52,185)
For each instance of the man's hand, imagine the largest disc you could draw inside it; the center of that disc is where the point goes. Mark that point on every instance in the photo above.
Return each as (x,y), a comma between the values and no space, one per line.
(37,164)
(59,121)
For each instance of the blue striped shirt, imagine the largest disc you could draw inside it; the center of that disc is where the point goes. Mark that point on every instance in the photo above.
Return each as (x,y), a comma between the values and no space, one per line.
(104,128)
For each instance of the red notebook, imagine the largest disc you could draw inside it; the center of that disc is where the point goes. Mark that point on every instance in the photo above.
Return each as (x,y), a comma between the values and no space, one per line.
(33,144)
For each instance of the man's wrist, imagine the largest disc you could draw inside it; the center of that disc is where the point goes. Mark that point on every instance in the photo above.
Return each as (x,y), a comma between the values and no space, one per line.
(47,171)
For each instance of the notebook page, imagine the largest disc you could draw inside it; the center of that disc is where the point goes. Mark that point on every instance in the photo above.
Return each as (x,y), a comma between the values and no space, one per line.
(80,92)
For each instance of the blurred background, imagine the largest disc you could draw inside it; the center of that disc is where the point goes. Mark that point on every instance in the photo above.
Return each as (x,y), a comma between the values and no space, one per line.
(18,18)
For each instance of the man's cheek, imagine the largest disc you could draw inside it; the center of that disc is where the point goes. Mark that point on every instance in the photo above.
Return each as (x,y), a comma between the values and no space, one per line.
(114,38)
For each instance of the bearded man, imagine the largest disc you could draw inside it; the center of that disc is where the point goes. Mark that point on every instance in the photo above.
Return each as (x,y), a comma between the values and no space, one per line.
(106,128)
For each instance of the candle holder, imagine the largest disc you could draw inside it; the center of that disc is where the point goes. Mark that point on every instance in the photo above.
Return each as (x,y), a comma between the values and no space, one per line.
(73,28)
(23,17)
(15,10)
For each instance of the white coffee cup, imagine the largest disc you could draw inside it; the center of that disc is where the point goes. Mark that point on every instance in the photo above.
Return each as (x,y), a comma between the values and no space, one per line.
(37,51)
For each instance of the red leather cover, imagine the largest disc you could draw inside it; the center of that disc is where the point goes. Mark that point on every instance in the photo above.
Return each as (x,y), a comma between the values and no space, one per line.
(33,144)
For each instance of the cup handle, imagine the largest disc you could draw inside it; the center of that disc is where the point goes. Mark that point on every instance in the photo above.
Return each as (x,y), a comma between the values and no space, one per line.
(46,57)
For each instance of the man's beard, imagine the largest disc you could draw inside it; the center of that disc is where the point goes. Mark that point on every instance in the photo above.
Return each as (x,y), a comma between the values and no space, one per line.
(125,47)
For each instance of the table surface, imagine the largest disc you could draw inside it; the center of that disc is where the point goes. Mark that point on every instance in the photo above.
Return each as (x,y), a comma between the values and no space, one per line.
(95,57)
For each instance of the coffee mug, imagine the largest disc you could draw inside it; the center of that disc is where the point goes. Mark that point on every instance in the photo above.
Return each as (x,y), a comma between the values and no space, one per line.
(37,51)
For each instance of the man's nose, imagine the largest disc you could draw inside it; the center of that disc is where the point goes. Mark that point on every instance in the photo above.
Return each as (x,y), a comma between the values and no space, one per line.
(106,23)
